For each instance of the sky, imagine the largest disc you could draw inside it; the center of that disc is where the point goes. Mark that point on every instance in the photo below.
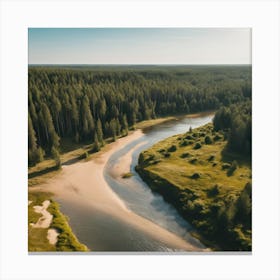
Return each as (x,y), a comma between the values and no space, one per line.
(139,46)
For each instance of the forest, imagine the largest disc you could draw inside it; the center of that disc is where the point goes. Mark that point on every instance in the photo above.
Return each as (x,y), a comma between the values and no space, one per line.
(88,104)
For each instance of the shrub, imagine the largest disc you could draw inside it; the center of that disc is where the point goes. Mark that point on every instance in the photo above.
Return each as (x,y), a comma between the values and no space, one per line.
(167,155)
(84,155)
(56,157)
(232,168)
(185,155)
(213,191)
(193,160)
(195,176)
(197,145)
(217,137)
(127,175)
(208,140)
(188,137)
(173,148)
(212,157)
(184,143)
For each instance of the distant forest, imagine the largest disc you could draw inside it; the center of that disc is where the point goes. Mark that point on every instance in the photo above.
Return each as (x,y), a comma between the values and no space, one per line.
(90,104)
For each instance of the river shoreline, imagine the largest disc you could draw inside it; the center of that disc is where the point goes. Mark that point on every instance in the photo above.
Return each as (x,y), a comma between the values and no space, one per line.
(84,183)
(66,185)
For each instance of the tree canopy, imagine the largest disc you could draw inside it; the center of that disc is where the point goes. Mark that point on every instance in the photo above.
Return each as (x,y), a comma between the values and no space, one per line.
(81,102)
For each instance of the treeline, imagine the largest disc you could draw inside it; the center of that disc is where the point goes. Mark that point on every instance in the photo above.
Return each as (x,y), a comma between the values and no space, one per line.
(233,220)
(92,104)
(236,121)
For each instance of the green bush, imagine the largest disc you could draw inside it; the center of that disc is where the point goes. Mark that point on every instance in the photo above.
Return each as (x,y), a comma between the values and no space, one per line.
(185,155)
(197,145)
(56,157)
(127,175)
(232,168)
(195,176)
(184,143)
(213,191)
(193,160)
(212,157)
(173,148)
(208,140)
(84,155)
(217,137)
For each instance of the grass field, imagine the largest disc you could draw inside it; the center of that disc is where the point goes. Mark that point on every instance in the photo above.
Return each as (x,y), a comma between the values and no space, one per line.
(198,178)
(37,237)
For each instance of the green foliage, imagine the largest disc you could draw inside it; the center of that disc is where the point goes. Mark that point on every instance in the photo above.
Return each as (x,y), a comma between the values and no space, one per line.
(77,102)
(216,204)
(195,176)
(211,158)
(96,145)
(37,237)
(193,160)
(214,191)
(184,143)
(56,157)
(208,140)
(197,145)
(232,168)
(127,175)
(99,132)
(173,148)
(237,120)
(185,155)
(84,155)
(217,137)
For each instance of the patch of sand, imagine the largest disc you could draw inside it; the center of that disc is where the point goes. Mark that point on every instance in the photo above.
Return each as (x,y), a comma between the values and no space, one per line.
(45,221)
(52,236)
(123,165)
(84,182)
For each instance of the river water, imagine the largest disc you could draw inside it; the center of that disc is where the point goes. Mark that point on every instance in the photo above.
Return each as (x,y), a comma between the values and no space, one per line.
(101,232)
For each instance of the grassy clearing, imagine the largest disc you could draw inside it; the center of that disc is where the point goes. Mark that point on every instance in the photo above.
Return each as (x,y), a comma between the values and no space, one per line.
(37,237)
(199,179)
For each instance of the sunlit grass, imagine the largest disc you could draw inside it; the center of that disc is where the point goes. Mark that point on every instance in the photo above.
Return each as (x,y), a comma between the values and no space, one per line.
(37,237)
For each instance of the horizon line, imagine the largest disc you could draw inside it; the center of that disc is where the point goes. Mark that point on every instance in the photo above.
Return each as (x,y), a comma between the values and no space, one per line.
(131,64)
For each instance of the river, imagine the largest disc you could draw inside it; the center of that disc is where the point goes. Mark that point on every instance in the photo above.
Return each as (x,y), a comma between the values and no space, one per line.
(102,232)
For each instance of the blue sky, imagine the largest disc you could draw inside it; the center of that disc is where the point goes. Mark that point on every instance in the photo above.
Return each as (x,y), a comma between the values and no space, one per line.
(139,46)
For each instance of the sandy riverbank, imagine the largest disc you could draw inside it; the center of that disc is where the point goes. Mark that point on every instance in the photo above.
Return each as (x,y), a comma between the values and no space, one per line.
(84,182)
